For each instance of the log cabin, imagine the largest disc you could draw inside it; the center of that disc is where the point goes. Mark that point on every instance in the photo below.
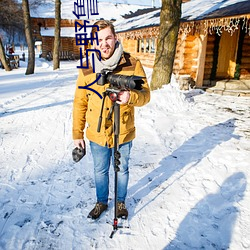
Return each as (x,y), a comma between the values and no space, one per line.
(213,41)
(43,30)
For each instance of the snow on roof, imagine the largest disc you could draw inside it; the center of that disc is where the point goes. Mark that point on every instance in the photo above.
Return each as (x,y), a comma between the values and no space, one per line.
(198,9)
(106,10)
(192,10)
(65,31)
(38,42)
(146,20)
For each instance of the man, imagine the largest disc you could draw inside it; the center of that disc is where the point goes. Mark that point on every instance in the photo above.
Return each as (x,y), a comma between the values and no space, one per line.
(87,106)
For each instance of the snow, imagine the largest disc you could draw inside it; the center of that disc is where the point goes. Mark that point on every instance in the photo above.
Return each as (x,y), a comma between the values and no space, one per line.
(106,10)
(65,32)
(196,9)
(189,169)
(192,10)
(145,20)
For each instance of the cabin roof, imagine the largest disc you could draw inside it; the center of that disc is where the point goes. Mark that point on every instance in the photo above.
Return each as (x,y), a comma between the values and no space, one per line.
(194,10)
(208,9)
(65,32)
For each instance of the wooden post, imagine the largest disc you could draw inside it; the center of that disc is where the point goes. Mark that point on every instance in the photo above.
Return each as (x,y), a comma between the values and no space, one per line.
(149,45)
(140,42)
(145,45)
(201,60)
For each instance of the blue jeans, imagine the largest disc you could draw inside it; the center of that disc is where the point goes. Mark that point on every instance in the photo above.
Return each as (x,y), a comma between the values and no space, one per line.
(102,157)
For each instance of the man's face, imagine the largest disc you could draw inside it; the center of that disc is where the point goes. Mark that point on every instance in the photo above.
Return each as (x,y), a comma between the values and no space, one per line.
(107,42)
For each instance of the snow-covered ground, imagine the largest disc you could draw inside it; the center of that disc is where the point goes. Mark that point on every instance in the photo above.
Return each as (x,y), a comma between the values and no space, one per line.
(189,170)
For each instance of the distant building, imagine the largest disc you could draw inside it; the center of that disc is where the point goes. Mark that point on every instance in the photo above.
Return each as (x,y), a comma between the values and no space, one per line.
(43,23)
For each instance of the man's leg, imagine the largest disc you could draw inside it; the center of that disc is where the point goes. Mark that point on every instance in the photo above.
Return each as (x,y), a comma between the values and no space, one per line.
(101,156)
(123,174)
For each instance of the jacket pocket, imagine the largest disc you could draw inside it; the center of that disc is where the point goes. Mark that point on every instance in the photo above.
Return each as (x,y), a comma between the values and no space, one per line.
(126,120)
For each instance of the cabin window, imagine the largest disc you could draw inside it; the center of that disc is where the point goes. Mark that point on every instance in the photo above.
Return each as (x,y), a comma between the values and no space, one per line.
(140,45)
(146,45)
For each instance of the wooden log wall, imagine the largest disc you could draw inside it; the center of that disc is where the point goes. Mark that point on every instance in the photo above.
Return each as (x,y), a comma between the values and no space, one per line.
(186,55)
(146,59)
(50,22)
(67,44)
(47,45)
(131,46)
(135,41)
(186,52)
(178,61)
(190,56)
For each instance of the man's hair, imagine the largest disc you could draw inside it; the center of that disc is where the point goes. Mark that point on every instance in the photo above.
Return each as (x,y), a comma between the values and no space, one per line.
(102,24)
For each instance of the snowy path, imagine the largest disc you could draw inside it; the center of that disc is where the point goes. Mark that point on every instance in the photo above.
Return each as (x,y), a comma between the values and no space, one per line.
(189,171)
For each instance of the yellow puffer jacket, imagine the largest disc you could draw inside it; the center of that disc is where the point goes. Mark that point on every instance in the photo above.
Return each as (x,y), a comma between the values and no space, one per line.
(87,105)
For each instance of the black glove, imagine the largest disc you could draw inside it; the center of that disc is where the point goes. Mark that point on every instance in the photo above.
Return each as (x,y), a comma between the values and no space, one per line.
(78,153)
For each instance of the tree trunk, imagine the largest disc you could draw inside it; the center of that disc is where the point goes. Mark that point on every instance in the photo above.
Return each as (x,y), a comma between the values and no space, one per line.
(29,38)
(56,59)
(168,34)
(3,57)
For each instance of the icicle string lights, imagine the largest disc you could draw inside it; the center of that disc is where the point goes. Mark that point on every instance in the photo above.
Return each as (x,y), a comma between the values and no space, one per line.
(246,25)
(218,25)
(206,26)
(151,32)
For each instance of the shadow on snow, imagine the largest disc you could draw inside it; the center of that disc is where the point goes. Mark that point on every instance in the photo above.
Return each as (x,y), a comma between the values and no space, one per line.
(23,110)
(209,225)
(213,229)
(190,153)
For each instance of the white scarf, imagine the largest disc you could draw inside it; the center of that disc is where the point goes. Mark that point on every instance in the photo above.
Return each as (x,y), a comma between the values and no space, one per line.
(111,63)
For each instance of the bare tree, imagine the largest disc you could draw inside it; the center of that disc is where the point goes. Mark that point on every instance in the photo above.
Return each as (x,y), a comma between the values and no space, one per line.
(28,33)
(11,16)
(10,24)
(168,34)
(56,59)
(3,57)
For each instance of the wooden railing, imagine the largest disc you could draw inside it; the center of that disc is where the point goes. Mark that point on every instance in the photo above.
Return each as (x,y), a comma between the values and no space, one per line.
(63,55)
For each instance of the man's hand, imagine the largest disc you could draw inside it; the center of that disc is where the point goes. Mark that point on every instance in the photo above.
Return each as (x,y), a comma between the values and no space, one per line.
(79,143)
(78,152)
(123,97)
